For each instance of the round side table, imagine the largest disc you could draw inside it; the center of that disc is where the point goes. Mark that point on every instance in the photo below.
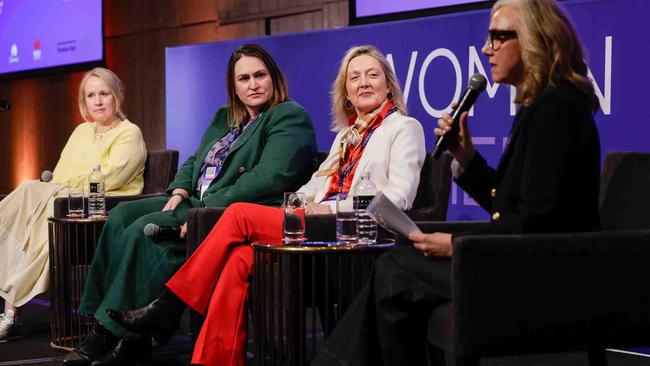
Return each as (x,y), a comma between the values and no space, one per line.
(289,280)
(72,244)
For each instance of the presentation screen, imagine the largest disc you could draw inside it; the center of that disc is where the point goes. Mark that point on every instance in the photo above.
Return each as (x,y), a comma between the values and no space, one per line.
(364,11)
(40,34)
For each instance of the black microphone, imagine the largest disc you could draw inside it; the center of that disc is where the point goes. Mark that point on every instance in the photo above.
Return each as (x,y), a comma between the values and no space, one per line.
(46,176)
(4,105)
(477,84)
(156,232)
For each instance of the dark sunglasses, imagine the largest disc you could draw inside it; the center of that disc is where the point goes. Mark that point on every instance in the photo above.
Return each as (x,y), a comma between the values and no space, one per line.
(495,38)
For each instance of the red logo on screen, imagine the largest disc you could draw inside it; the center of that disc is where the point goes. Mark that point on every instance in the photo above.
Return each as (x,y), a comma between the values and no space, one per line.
(36,54)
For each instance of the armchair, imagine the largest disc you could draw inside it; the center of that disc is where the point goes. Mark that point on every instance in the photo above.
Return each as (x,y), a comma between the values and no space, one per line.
(431,203)
(159,170)
(535,293)
(432,198)
(155,180)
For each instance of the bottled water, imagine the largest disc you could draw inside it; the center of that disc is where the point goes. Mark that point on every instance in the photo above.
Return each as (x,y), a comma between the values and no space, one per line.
(364,193)
(96,200)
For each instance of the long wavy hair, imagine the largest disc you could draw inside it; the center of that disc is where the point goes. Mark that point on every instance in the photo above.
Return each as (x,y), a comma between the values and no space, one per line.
(113,83)
(551,50)
(237,112)
(340,114)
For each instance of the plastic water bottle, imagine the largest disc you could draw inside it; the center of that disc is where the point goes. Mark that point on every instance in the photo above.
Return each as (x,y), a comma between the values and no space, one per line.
(96,200)
(364,193)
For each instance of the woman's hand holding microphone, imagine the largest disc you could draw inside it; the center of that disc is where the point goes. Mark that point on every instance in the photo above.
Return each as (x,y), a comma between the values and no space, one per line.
(462,149)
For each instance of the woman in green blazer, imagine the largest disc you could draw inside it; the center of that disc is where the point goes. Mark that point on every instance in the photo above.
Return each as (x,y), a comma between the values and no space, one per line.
(257,147)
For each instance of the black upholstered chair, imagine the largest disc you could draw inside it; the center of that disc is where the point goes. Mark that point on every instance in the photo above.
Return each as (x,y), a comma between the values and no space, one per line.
(431,203)
(432,198)
(537,293)
(159,171)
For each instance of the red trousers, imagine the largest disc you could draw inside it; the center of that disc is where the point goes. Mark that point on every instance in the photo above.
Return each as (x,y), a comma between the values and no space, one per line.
(214,280)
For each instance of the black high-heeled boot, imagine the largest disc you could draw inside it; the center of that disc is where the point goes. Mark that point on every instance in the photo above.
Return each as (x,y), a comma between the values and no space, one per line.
(161,317)
(133,348)
(98,342)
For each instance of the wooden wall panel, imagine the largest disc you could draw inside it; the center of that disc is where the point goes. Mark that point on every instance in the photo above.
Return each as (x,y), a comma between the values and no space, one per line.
(254,6)
(26,142)
(335,15)
(226,7)
(127,16)
(203,10)
(6,132)
(254,28)
(136,33)
(233,11)
(124,57)
(269,5)
(297,23)
(151,94)
(193,34)
(44,113)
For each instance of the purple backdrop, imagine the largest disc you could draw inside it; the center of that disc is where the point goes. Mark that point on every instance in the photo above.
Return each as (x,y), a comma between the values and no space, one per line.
(433,58)
(36,34)
(379,7)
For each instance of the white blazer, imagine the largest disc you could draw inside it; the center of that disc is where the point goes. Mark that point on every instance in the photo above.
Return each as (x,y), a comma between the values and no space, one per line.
(394,156)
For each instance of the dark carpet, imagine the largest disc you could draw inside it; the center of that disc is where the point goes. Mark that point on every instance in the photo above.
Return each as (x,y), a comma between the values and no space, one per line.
(34,349)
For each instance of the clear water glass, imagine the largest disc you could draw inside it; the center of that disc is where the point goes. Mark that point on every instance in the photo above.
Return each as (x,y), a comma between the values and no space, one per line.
(347,224)
(76,201)
(293,228)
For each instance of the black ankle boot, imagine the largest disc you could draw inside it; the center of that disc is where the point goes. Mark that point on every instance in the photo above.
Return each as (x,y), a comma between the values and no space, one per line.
(131,349)
(98,342)
(160,317)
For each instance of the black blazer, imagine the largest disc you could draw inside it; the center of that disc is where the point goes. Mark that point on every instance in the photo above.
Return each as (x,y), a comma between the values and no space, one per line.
(548,177)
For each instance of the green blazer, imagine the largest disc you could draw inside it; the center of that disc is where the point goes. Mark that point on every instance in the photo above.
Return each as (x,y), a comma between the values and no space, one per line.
(271,157)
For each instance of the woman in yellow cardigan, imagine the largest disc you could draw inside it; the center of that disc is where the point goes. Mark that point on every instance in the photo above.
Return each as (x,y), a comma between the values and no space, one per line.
(106,138)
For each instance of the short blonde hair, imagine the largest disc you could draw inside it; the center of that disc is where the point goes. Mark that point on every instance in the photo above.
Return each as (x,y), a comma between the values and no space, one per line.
(550,49)
(113,83)
(340,114)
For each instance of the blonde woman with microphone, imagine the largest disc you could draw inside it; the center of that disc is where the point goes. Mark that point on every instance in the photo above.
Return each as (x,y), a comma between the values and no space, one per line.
(547,181)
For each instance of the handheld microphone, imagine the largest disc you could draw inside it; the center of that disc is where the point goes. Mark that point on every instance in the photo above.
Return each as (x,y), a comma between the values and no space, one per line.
(477,84)
(156,232)
(46,176)
(4,105)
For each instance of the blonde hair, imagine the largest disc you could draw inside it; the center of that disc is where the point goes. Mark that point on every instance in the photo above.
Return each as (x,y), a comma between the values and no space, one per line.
(340,114)
(237,112)
(113,83)
(550,49)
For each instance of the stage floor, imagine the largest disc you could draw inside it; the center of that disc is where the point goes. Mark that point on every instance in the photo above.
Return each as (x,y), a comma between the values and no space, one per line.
(34,349)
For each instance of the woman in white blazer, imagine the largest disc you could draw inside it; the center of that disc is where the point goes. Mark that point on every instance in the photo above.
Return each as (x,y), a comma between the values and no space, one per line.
(374,135)
(394,153)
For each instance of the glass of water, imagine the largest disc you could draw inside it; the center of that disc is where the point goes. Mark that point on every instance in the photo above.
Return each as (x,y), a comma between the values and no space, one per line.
(76,200)
(347,224)
(294,218)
